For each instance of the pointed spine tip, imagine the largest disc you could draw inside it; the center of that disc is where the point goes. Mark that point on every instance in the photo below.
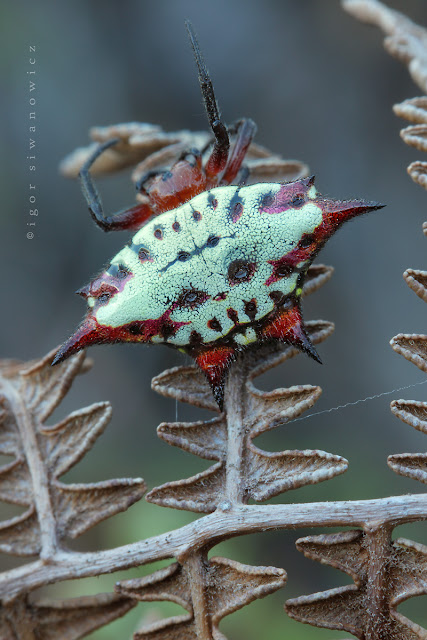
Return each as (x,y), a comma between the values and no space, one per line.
(63,352)
(201,66)
(303,342)
(317,358)
(311,351)
(83,292)
(57,358)
(373,206)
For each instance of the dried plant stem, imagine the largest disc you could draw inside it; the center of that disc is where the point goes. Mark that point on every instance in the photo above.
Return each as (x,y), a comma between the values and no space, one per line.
(38,472)
(66,565)
(198,596)
(20,622)
(378,541)
(235,396)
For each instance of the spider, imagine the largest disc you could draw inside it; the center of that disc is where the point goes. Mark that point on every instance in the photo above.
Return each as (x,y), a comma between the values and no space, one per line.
(188,177)
(214,267)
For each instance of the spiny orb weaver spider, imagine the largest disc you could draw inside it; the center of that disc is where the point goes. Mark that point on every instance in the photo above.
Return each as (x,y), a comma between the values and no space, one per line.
(213,267)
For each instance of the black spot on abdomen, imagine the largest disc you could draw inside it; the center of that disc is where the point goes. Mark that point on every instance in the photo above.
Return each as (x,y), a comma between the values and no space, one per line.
(195,338)
(212,201)
(251,308)
(233,315)
(214,324)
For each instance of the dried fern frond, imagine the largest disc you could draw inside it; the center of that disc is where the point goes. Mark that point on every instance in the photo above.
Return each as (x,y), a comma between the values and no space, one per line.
(146,147)
(385,574)
(417,281)
(208,589)
(413,465)
(60,619)
(407,42)
(415,110)
(54,511)
(413,347)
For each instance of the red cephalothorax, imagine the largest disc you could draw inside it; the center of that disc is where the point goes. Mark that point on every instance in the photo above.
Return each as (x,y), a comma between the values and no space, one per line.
(213,268)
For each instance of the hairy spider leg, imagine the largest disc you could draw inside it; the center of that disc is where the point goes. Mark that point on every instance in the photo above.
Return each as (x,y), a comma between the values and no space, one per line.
(242,175)
(245,134)
(186,179)
(171,188)
(128,219)
(219,156)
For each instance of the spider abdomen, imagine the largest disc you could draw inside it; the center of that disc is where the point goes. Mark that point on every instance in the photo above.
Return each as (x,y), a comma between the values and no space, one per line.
(221,271)
(202,262)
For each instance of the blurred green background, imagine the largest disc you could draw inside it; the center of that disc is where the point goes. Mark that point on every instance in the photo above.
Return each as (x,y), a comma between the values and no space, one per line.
(320,88)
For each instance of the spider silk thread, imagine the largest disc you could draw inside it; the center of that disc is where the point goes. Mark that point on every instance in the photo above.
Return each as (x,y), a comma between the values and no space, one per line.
(340,406)
(352,404)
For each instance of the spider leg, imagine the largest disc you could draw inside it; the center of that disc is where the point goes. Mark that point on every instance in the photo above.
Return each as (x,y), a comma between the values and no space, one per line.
(153,173)
(128,219)
(218,158)
(245,134)
(194,153)
(242,175)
